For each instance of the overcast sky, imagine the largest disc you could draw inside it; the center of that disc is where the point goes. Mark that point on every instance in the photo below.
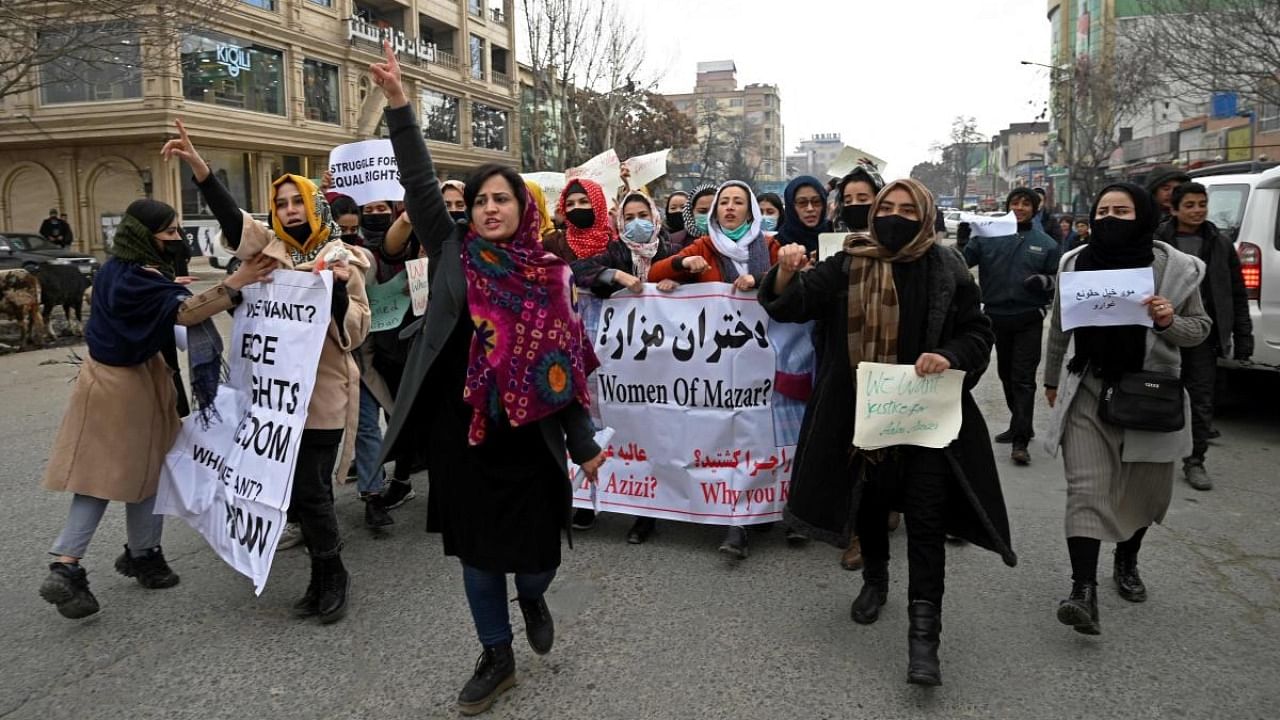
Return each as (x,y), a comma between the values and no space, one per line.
(905,67)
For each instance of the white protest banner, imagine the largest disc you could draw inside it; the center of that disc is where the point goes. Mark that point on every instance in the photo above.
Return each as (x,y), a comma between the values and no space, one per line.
(419,285)
(830,243)
(552,184)
(850,158)
(603,168)
(388,302)
(991,225)
(1101,298)
(686,384)
(647,168)
(231,480)
(897,407)
(366,171)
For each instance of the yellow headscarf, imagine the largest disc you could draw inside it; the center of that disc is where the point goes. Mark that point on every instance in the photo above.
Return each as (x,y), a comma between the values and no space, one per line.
(319,218)
(547,227)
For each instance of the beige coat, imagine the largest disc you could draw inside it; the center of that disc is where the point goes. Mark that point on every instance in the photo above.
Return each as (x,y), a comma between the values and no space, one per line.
(335,399)
(122,421)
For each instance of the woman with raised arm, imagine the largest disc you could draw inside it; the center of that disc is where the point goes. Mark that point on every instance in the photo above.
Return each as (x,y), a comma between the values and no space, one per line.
(302,233)
(123,416)
(505,404)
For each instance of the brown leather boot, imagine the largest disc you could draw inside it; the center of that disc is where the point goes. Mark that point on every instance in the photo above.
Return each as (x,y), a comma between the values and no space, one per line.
(851,559)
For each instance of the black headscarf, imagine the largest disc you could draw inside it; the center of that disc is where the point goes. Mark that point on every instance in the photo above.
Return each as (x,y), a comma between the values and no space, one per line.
(792,229)
(134,241)
(1113,351)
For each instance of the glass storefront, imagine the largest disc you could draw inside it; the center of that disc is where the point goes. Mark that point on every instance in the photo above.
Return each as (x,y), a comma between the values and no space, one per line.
(231,72)
(439,117)
(320,88)
(488,127)
(104,64)
(232,170)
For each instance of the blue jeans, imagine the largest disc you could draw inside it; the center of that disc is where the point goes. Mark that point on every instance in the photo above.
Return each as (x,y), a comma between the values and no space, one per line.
(142,526)
(369,474)
(487,596)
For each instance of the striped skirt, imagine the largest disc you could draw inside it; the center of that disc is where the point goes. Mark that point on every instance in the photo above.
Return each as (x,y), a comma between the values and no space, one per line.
(1107,499)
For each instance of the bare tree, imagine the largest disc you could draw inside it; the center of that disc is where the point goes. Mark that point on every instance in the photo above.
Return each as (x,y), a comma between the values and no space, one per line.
(1208,46)
(43,42)
(1091,100)
(959,154)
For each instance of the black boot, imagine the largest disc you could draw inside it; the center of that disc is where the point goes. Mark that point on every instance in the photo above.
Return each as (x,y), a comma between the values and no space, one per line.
(1128,582)
(538,625)
(922,643)
(308,605)
(1080,610)
(335,583)
(495,674)
(375,514)
(151,570)
(641,530)
(67,587)
(874,593)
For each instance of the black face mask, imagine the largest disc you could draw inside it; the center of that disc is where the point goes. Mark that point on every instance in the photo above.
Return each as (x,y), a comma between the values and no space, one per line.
(353,239)
(894,232)
(458,215)
(675,221)
(581,218)
(376,222)
(300,233)
(856,216)
(1113,233)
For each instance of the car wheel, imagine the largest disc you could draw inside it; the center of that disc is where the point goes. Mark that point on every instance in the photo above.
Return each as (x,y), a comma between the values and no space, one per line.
(31,267)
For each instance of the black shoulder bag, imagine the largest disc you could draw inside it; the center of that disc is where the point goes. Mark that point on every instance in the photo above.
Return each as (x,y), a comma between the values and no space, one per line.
(1147,401)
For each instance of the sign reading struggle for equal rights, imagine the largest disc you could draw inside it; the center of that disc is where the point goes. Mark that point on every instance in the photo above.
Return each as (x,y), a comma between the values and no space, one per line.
(686,384)
(895,406)
(231,480)
(366,171)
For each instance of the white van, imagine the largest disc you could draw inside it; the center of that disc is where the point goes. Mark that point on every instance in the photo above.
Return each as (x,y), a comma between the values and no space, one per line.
(1247,207)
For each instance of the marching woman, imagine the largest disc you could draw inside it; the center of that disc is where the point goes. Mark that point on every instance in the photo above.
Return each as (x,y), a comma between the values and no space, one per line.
(587,229)
(507,404)
(804,214)
(694,213)
(302,233)
(893,296)
(673,221)
(1119,479)
(123,417)
(771,209)
(735,250)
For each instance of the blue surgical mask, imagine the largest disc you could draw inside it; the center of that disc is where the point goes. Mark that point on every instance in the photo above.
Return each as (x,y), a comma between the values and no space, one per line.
(639,230)
(769,223)
(700,222)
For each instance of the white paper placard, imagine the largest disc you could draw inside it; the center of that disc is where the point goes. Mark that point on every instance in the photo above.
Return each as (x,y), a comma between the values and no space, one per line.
(991,226)
(1105,298)
(895,406)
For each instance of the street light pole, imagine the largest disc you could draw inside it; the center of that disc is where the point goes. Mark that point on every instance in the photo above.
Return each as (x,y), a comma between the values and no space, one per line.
(1071,110)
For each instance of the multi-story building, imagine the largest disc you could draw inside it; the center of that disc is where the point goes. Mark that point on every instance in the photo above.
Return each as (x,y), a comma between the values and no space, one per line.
(814,155)
(1017,154)
(266,87)
(749,118)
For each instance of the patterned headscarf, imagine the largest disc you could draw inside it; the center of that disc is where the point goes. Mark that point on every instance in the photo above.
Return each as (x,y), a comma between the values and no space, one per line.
(529,356)
(873,296)
(319,220)
(547,226)
(592,241)
(643,251)
(691,227)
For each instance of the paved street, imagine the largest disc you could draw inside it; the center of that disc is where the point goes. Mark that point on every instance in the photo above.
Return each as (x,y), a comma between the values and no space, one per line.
(665,629)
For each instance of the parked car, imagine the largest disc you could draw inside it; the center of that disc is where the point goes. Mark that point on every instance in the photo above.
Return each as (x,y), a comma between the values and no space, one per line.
(30,251)
(952,220)
(1247,208)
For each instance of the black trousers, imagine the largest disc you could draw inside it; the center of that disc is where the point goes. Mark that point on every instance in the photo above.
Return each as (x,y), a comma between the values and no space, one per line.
(1199,374)
(921,486)
(1017,359)
(312,499)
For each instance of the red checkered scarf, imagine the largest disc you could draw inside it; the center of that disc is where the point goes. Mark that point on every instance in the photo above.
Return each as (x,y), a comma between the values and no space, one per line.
(591,241)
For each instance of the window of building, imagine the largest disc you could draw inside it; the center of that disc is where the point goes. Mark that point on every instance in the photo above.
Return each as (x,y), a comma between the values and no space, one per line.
(323,3)
(477,58)
(488,127)
(1269,117)
(439,117)
(735,102)
(476,7)
(222,70)
(264,4)
(232,170)
(320,87)
(105,66)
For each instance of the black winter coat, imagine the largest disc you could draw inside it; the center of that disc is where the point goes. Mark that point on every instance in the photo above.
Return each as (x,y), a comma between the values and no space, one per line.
(1223,291)
(825,488)
(616,256)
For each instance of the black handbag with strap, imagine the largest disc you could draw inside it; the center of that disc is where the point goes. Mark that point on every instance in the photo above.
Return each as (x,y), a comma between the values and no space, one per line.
(1147,401)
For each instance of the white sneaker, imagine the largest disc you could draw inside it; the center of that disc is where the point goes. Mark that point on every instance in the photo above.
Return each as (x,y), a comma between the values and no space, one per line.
(291,536)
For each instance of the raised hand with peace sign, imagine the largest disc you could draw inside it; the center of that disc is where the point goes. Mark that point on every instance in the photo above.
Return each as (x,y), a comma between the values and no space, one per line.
(386,75)
(182,147)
